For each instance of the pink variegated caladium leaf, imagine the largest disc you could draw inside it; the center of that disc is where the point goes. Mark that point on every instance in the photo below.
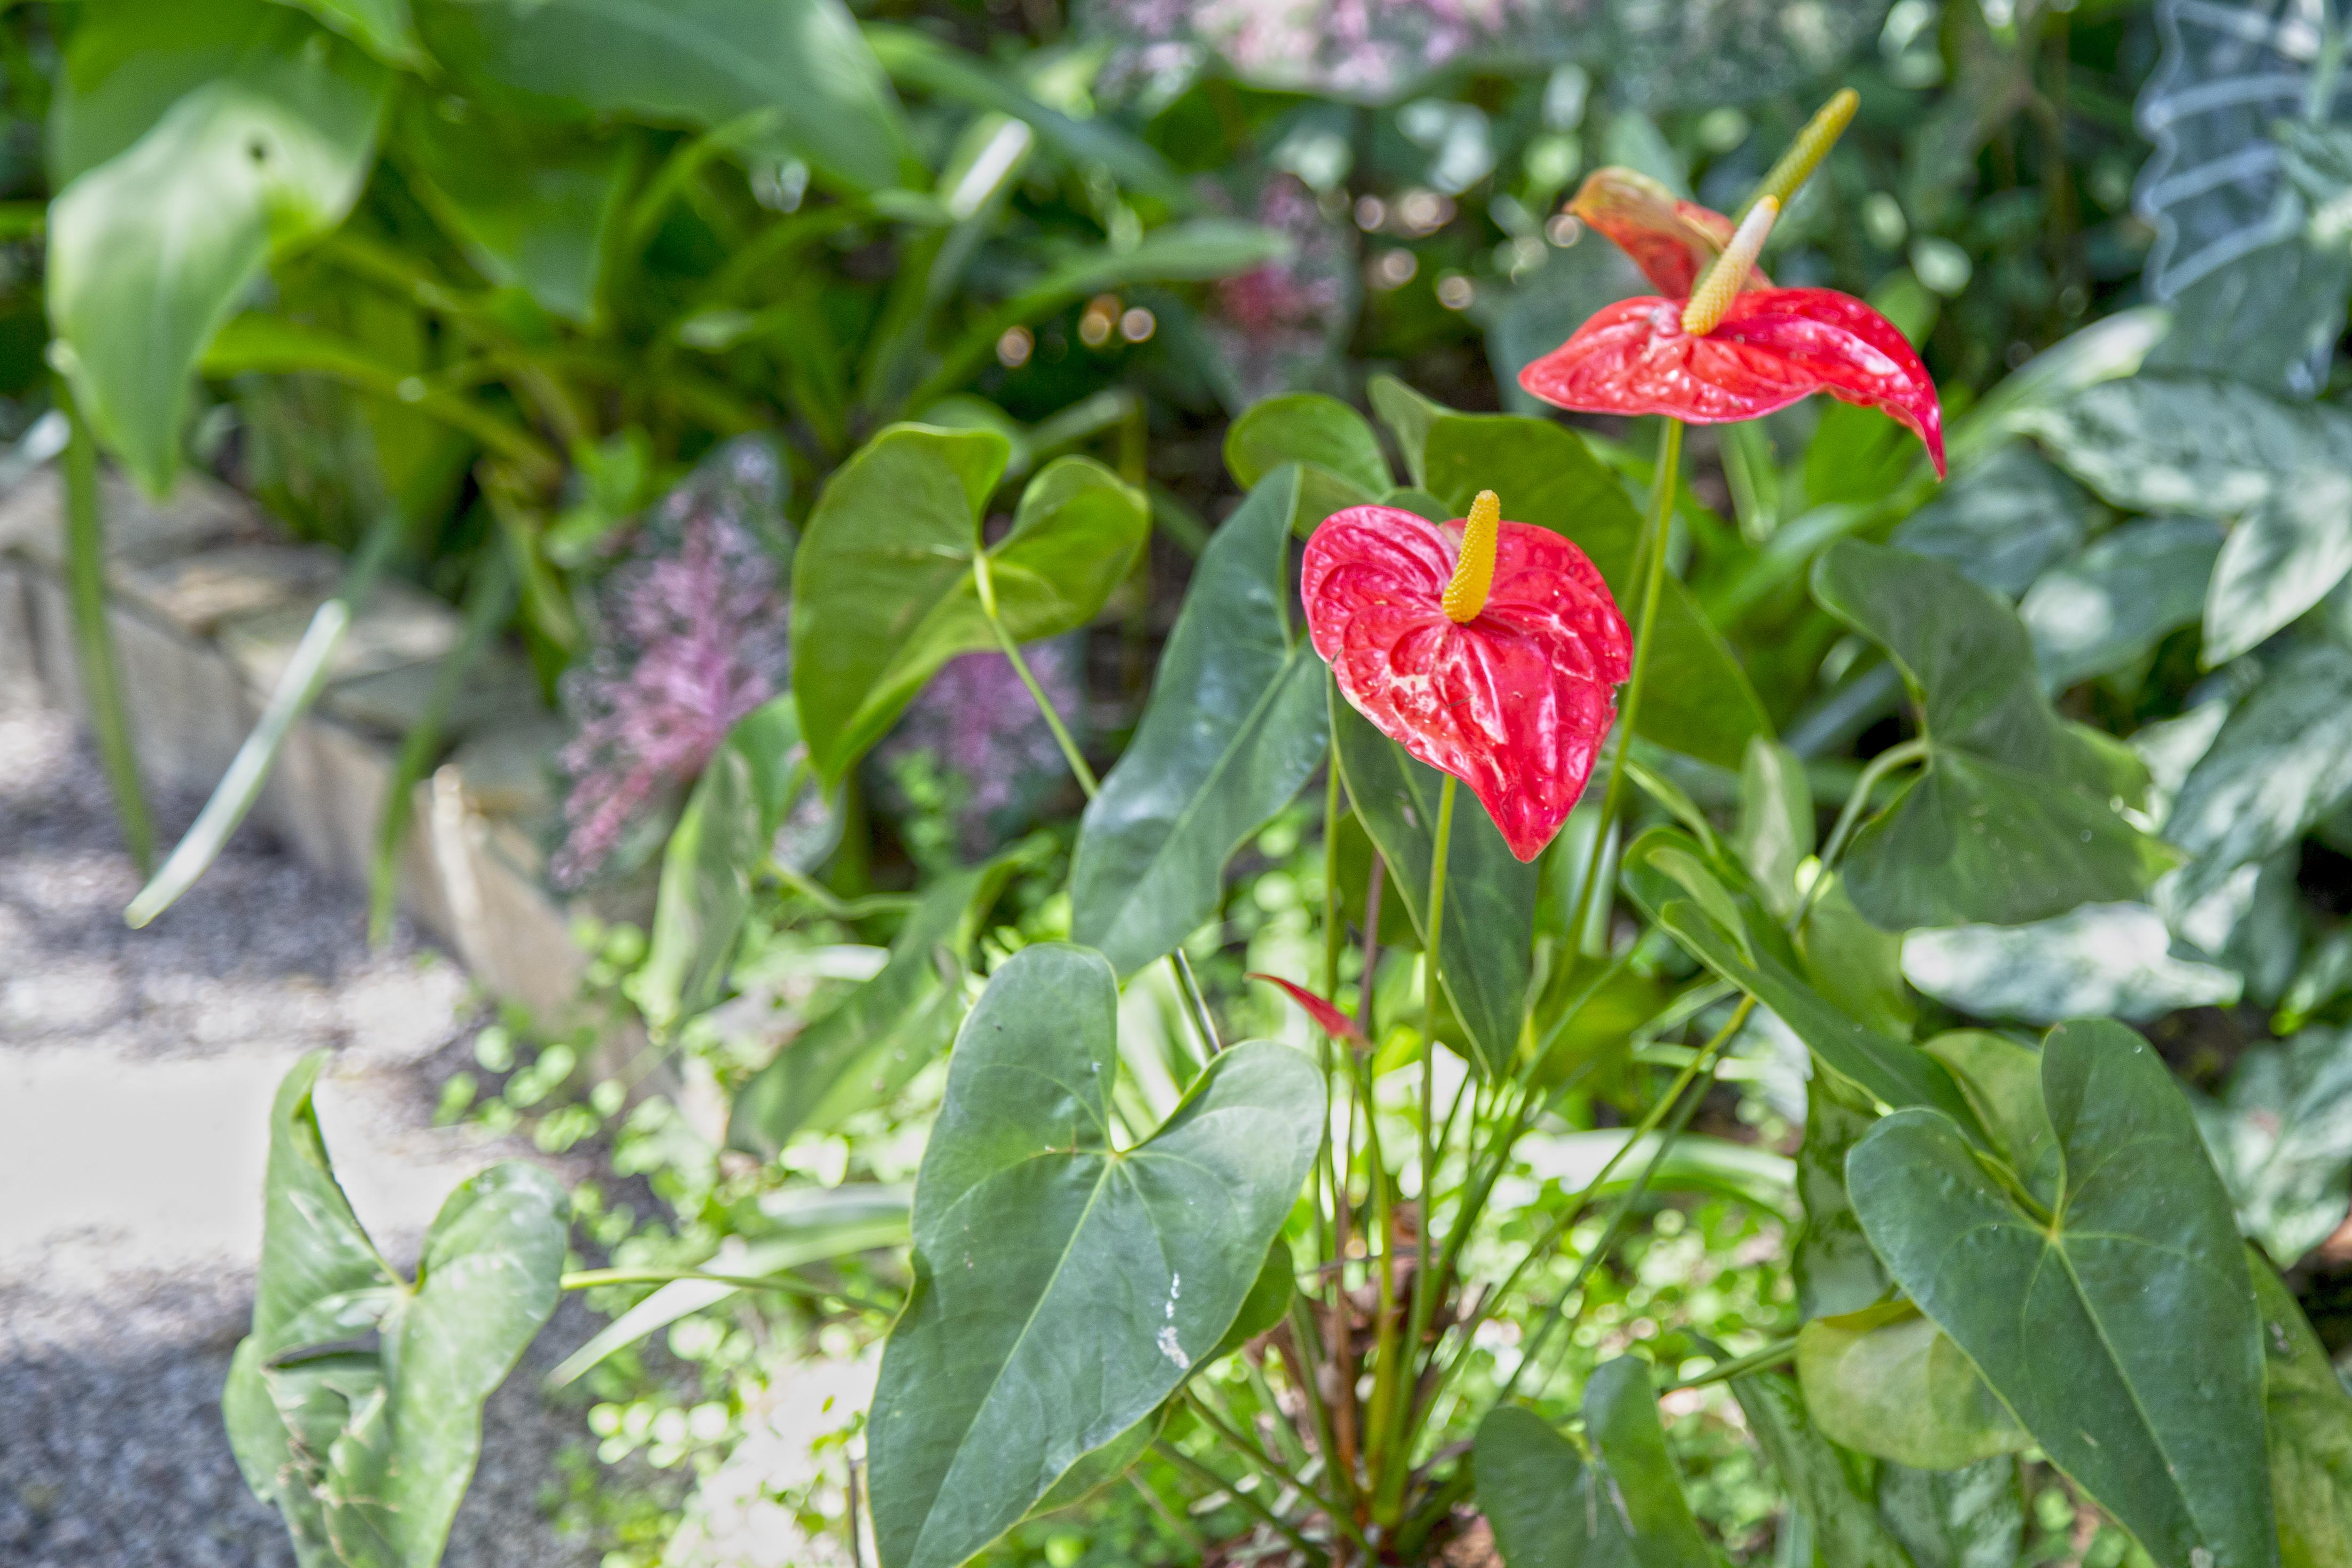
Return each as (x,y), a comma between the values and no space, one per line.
(1733,351)
(1327,1017)
(1490,650)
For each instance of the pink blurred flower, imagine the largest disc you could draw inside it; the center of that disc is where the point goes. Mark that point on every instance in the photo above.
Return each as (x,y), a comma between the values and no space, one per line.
(692,634)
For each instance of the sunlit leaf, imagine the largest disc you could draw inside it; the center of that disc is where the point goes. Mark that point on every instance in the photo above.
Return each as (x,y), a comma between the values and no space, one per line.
(2282,1136)
(1886,1381)
(2097,613)
(2310,1416)
(2116,960)
(1235,724)
(882,589)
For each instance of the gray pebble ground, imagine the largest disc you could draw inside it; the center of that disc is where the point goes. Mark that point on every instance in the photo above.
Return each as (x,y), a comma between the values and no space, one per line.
(135,1076)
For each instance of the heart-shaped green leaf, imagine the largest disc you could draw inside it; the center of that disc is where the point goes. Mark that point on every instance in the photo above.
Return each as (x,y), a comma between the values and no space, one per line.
(2120,1328)
(722,840)
(366,1454)
(2003,523)
(1306,427)
(864,1051)
(1236,724)
(1552,1507)
(883,588)
(1064,1288)
(2012,820)
(150,251)
(1490,896)
(703,63)
(1886,1381)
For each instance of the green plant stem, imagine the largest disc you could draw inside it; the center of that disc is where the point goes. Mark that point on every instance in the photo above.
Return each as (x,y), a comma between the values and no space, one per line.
(1184,1527)
(1738,1366)
(297,688)
(1255,1453)
(1389,1495)
(592,1278)
(1623,1212)
(101,676)
(1217,1483)
(1334,938)
(1886,762)
(1653,558)
(488,600)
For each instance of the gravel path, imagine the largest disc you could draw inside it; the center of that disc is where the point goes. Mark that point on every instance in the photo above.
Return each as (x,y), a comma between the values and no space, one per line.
(136,1071)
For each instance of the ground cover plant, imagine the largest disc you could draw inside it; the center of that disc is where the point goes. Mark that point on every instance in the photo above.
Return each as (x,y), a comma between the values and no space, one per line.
(1858,1074)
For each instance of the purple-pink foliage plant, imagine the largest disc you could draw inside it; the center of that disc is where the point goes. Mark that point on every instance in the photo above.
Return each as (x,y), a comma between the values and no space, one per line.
(691,632)
(977,725)
(1279,324)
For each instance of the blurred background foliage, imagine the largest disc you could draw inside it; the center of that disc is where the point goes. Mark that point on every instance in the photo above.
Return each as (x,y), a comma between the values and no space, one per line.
(537,281)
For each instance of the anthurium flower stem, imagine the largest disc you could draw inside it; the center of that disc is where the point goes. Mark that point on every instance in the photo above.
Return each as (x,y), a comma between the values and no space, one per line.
(1654,556)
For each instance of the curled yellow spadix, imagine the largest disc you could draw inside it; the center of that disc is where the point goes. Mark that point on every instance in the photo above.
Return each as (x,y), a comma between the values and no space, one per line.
(1473,573)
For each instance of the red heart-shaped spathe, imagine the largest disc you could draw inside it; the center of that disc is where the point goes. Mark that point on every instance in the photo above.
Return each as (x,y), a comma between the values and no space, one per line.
(1772,347)
(1671,240)
(1515,701)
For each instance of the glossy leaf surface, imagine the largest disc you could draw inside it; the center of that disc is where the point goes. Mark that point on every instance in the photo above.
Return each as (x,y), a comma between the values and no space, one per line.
(2283,757)
(151,251)
(2122,1332)
(1774,347)
(882,580)
(1490,894)
(1514,703)
(1062,1290)
(702,63)
(2011,819)
(862,1052)
(1236,725)
(2114,960)
(1310,428)
(2108,606)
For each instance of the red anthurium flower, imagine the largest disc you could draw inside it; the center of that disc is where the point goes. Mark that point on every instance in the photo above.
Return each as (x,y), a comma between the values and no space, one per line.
(1735,350)
(1671,241)
(1488,650)
(1328,1018)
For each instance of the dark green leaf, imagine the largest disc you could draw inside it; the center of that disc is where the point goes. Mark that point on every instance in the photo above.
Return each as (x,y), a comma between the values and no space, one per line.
(703,63)
(1063,1290)
(2002,1079)
(1310,428)
(1237,723)
(862,1052)
(1267,1303)
(1828,1486)
(882,592)
(1696,698)
(2122,1332)
(1486,950)
(1552,1507)
(2012,818)
(1886,1381)
(1775,832)
(720,842)
(2310,1417)
(1854,963)
(151,251)
(533,211)
(1408,415)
